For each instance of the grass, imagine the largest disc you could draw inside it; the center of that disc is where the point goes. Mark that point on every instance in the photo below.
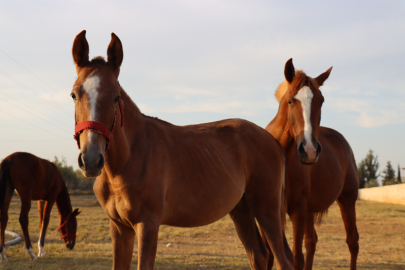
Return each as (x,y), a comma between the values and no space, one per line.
(381,227)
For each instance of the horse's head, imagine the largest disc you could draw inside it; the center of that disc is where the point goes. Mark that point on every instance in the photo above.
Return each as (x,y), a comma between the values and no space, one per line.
(67,229)
(96,94)
(304,101)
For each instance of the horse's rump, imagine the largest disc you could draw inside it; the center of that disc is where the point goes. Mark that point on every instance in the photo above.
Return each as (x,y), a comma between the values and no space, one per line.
(4,180)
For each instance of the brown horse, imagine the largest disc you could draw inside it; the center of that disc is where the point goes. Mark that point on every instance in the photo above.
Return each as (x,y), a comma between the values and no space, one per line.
(34,178)
(151,172)
(313,181)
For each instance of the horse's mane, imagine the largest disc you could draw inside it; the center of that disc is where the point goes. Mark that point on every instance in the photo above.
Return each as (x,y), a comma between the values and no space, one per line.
(283,87)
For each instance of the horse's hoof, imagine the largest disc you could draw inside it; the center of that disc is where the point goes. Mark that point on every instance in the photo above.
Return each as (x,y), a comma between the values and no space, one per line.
(41,252)
(32,254)
(3,255)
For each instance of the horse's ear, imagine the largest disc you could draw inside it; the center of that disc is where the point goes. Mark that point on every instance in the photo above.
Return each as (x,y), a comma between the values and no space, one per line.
(289,71)
(80,50)
(115,52)
(76,212)
(322,78)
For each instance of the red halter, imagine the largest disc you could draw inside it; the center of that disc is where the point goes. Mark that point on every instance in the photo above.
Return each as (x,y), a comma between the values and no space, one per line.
(64,224)
(95,126)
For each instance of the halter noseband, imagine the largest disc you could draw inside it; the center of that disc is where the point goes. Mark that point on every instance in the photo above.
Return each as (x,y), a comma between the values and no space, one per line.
(95,126)
(64,224)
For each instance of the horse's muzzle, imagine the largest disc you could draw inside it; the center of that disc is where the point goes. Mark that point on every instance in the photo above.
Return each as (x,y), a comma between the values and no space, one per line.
(71,244)
(309,155)
(90,164)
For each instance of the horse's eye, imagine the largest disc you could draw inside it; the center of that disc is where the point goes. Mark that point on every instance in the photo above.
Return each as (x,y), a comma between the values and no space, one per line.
(322,102)
(73,95)
(117,99)
(290,102)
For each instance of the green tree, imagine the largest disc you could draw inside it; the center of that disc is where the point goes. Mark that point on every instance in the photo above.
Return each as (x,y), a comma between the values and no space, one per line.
(399,175)
(389,175)
(361,170)
(67,172)
(367,170)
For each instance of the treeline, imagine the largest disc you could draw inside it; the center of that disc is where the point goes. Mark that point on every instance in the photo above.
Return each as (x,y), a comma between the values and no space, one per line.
(367,170)
(74,179)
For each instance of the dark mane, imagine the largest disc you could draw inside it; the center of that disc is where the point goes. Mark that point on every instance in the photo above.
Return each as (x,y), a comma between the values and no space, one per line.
(157,119)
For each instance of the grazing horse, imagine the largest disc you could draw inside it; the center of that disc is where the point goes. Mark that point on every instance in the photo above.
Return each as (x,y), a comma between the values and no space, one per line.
(35,178)
(151,172)
(313,180)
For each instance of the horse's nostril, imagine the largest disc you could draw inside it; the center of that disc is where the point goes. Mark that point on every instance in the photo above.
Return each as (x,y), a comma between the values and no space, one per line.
(80,161)
(100,164)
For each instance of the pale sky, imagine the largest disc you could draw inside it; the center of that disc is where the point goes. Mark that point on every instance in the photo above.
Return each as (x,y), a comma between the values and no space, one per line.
(190,62)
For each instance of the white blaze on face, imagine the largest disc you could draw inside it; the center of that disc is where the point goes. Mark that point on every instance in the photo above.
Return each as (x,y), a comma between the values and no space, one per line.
(91,86)
(305,96)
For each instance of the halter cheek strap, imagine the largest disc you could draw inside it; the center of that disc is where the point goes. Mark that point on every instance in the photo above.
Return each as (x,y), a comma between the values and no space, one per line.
(96,126)
(64,224)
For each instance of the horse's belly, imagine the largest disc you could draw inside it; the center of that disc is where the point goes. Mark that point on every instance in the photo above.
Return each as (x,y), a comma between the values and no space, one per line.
(193,211)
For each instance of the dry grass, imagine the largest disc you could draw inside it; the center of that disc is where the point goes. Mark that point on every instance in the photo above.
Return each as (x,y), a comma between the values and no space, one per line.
(381,227)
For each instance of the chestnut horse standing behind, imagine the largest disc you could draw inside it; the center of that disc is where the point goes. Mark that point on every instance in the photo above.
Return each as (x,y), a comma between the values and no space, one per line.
(151,172)
(35,179)
(313,181)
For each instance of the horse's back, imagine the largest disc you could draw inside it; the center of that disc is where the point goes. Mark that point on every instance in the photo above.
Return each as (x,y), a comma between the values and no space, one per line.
(32,175)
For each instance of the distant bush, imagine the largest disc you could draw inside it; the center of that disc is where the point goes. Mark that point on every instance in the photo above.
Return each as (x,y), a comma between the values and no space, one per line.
(74,180)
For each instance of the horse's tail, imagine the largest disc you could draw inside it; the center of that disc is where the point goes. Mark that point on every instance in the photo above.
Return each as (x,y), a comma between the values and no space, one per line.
(4,180)
(318,217)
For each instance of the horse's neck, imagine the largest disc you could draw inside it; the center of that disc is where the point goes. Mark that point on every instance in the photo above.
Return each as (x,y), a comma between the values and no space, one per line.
(63,203)
(278,127)
(123,137)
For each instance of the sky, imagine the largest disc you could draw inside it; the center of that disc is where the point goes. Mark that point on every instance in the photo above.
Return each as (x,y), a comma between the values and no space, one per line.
(190,62)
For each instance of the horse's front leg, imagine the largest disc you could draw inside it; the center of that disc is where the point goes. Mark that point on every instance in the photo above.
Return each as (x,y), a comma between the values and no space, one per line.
(123,239)
(147,243)
(298,218)
(46,208)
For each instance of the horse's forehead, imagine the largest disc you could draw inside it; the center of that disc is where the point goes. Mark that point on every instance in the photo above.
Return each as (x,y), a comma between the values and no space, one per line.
(304,93)
(92,84)
(309,88)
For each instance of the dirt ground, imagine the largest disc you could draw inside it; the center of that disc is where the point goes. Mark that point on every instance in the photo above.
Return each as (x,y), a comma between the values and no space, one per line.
(381,228)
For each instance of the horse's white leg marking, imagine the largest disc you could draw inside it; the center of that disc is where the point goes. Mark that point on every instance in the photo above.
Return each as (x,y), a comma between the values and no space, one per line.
(91,86)
(32,254)
(41,251)
(305,96)
(3,255)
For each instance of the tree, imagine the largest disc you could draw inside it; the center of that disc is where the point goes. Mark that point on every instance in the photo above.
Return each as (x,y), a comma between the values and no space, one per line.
(361,170)
(367,170)
(67,172)
(399,175)
(389,175)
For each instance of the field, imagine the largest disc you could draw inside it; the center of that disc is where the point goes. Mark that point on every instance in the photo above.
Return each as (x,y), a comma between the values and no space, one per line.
(381,227)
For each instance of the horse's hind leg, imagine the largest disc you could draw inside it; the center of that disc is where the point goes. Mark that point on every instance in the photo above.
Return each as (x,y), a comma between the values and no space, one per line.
(249,235)
(25,209)
(266,207)
(3,224)
(288,251)
(310,241)
(347,204)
